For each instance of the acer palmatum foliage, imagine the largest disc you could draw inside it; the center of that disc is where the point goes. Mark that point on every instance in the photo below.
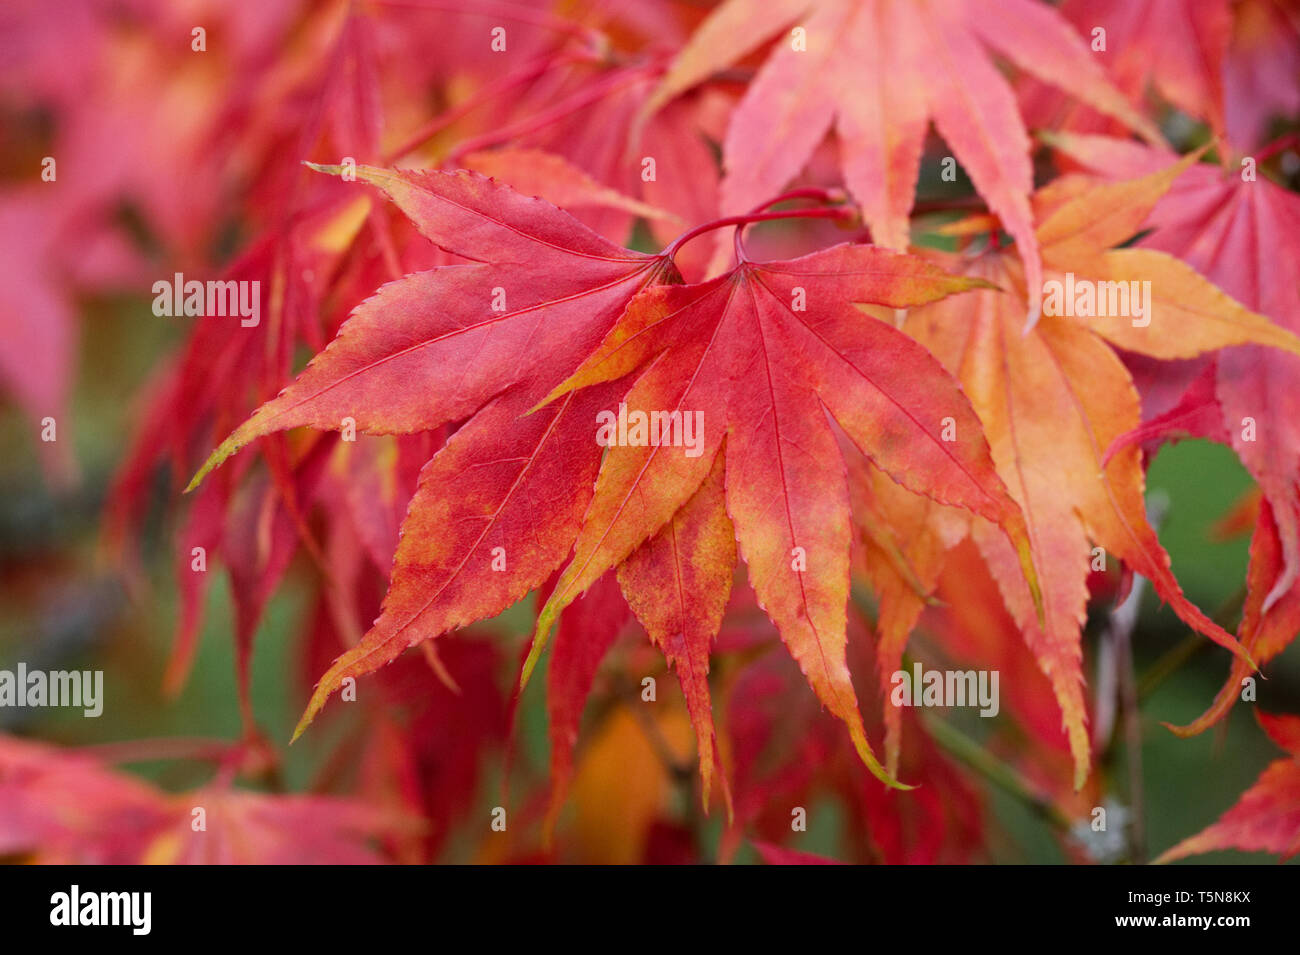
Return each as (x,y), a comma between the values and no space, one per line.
(659,336)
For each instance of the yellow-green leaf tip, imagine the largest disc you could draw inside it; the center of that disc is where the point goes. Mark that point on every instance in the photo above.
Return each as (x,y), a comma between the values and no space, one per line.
(223,451)
(319,167)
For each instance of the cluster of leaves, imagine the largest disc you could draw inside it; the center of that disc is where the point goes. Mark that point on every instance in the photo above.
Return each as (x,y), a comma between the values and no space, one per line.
(893,438)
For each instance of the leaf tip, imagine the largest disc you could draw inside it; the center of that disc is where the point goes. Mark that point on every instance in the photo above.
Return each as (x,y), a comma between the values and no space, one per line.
(558,391)
(208,467)
(327,685)
(869,760)
(1031,578)
(215,459)
(534,654)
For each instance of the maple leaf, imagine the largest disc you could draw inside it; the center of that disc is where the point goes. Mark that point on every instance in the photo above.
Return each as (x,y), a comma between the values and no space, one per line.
(677,583)
(242,827)
(485,341)
(69,808)
(1234,65)
(499,325)
(1054,400)
(1221,223)
(1267,816)
(763,359)
(1176,47)
(880,70)
(1263,634)
(536,172)
(532,477)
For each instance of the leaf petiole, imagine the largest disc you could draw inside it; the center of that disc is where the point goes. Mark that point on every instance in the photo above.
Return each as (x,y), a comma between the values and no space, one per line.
(834,212)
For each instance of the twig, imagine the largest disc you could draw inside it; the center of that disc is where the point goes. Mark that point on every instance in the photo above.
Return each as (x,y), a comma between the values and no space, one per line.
(1119,636)
(678,770)
(975,756)
(150,750)
(1119,633)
